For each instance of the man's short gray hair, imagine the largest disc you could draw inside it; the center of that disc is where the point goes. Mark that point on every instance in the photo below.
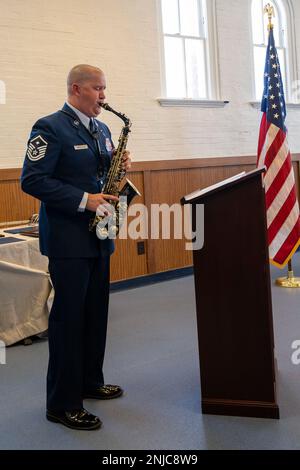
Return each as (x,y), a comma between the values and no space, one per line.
(79,74)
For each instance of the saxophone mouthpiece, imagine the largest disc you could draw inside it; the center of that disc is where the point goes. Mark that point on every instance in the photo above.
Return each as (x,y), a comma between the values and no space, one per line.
(105,106)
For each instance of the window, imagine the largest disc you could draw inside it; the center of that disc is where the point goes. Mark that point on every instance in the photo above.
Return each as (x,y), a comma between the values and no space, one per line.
(185,38)
(282,40)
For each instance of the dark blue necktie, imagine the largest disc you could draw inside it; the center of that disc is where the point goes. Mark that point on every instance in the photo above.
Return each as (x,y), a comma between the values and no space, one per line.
(95,133)
(92,126)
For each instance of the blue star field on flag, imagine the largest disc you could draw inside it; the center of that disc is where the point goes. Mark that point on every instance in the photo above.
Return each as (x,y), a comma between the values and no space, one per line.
(273,103)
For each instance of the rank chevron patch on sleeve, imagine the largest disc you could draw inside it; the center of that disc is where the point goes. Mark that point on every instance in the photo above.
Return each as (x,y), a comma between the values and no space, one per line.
(37,148)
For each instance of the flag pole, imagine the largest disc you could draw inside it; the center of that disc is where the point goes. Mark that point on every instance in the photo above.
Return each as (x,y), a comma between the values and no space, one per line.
(290,280)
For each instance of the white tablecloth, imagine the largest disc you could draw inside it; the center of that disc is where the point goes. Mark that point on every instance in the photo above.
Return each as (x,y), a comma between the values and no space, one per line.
(24,289)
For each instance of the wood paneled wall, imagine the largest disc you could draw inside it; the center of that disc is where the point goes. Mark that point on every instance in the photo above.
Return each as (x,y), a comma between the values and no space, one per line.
(14,204)
(159,182)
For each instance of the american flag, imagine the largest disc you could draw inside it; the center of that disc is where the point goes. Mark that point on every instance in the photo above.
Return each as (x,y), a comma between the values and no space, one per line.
(273,151)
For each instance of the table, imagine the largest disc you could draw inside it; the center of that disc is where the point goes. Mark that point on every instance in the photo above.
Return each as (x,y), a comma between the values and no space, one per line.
(25,288)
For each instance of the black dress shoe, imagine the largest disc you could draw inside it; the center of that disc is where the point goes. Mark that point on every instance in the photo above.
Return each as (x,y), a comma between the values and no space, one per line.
(77,419)
(105,392)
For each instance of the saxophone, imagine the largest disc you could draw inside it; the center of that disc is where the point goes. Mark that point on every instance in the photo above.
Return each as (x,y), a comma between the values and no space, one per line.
(110,226)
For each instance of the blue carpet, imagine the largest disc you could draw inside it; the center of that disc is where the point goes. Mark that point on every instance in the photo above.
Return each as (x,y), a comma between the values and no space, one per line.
(152,352)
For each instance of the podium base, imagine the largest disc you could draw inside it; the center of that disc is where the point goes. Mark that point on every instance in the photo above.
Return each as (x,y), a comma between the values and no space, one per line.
(251,409)
(289,281)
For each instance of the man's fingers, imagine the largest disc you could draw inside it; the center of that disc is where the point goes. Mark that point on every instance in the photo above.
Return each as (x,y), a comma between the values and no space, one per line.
(110,197)
(99,199)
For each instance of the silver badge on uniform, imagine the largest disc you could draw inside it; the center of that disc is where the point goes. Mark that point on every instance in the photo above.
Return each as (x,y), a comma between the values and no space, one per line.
(108,145)
(37,148)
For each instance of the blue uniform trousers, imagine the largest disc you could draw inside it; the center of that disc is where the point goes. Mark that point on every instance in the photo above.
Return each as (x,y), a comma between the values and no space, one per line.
(77,329)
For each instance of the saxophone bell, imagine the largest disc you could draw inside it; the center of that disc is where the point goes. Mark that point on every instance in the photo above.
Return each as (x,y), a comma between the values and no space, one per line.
(129,191)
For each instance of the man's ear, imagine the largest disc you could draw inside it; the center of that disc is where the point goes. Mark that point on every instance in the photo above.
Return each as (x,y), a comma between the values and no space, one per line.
(76,89)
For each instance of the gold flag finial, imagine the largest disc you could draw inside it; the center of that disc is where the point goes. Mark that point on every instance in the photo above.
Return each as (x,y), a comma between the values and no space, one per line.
(269,9)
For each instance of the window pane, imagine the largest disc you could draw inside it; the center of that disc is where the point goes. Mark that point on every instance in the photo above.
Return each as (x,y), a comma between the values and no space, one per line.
(282,69)
(259,68)
(257,22)
(202,19)
(170,16)
(174,61)
(189,17)
(195,67)
(283,21)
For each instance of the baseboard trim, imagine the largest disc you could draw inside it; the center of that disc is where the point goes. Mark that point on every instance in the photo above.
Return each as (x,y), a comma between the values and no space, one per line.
(150,279)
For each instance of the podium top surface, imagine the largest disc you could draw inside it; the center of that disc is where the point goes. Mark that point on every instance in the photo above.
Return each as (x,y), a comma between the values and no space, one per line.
(227,183)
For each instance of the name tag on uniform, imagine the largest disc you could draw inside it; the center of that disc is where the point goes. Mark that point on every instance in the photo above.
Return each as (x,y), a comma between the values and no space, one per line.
(81,147)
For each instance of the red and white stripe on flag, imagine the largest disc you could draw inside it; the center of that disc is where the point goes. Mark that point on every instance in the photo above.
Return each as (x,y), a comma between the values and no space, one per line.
(282,206)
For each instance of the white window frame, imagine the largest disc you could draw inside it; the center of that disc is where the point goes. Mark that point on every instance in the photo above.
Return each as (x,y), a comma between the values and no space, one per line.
(211,56)
(288,45)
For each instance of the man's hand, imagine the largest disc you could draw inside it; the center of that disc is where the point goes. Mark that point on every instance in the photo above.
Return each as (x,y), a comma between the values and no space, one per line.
(126,160)
(100,203)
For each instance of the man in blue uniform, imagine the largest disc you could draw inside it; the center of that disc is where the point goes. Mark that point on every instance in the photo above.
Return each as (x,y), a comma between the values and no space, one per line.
(67,158)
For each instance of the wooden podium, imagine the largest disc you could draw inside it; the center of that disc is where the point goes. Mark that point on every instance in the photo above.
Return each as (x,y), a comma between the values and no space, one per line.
(233,299)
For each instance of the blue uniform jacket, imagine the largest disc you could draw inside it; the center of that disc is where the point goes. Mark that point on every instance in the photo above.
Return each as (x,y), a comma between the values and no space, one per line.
(62,162)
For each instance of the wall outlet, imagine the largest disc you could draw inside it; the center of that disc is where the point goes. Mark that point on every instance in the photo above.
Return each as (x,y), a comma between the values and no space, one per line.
(141,248)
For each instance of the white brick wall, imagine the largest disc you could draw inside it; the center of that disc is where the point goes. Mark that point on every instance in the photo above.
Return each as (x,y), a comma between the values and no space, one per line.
(41,40)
